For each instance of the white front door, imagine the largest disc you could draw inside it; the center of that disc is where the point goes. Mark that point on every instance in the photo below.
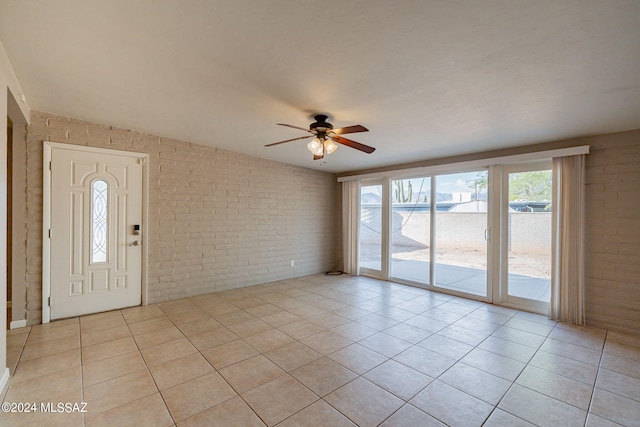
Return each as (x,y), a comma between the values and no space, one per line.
(96,231)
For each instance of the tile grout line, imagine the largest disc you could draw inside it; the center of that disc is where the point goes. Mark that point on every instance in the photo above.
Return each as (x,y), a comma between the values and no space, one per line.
(513,383)
(595,381)
(121,376)
(588,410)
(332,311)
(459,360)
(84,420)
(212,367)
(147,365)
(8,385)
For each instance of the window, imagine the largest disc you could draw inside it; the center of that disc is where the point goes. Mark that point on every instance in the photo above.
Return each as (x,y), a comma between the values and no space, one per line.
(99,218)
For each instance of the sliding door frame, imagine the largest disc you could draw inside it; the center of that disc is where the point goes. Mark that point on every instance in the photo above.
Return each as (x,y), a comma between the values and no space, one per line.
(497,234)
(383,273)
(390,276)
(491,206)
(498,172)
(503,297)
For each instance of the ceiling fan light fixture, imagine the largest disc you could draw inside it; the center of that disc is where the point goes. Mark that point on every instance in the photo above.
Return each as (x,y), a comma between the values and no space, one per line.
(330,146)
(316,147)
(326,138)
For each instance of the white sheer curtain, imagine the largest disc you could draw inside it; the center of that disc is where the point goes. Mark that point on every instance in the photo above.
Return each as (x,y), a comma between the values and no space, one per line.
(350,226)
(567,271)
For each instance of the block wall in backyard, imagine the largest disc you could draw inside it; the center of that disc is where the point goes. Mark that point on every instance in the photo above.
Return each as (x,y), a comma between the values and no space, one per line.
(217,219)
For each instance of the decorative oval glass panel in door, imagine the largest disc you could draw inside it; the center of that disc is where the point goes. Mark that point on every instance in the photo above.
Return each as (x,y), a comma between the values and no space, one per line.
(99,220)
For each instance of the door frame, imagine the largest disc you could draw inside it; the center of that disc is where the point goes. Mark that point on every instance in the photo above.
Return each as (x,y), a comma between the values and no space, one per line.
(383,273)
(48,147)
(504,299)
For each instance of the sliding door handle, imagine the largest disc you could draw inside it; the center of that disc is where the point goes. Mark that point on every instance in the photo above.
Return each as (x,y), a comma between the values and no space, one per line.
(487,234)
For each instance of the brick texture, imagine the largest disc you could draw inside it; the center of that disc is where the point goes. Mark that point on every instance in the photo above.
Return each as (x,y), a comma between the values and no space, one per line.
(217,219)
(613,231)
(221,220)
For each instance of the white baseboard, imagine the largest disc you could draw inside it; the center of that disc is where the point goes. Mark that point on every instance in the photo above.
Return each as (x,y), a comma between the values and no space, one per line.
(4,380)
(18,324)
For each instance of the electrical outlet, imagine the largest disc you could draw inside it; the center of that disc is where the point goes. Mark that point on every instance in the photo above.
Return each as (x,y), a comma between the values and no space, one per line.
(293,263)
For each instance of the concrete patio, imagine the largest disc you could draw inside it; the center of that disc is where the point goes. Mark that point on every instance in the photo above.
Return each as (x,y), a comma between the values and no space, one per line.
(464,279)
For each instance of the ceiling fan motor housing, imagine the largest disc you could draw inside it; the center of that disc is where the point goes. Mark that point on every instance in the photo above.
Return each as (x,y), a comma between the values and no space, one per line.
(321,124)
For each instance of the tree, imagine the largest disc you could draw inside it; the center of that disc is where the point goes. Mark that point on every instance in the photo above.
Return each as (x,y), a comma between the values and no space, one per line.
(477,184)
(530,186)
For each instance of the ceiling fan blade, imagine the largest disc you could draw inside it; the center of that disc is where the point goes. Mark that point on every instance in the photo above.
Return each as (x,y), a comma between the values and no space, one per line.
(295,127)
(289,140)
(350,129)
(318,157)
(353,144)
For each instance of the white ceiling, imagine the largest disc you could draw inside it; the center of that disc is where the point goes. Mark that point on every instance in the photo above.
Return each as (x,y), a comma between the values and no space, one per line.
(429,78)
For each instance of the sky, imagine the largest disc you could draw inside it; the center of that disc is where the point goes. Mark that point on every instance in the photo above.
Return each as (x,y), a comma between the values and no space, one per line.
(451,183)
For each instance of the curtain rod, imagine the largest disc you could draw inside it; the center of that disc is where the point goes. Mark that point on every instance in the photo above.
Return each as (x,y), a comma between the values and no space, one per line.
(514,158)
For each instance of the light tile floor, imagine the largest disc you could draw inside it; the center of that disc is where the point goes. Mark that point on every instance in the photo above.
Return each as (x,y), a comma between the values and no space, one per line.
(324,351)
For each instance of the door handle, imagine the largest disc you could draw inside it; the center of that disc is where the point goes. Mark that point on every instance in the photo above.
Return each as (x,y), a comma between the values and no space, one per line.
(487,234)
(134,243)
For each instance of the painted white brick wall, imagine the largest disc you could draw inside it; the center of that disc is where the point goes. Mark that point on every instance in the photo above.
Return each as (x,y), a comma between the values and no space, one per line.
(211,231)
(217,219)
(613,232)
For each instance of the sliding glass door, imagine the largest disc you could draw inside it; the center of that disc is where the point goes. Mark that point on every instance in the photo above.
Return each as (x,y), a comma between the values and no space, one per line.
(461,232)
(411,229)
(371,197)
(439,232)
(483,234)
(526,243)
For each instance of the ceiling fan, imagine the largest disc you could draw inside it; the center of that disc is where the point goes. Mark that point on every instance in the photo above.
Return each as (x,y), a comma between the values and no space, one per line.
(325,137)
